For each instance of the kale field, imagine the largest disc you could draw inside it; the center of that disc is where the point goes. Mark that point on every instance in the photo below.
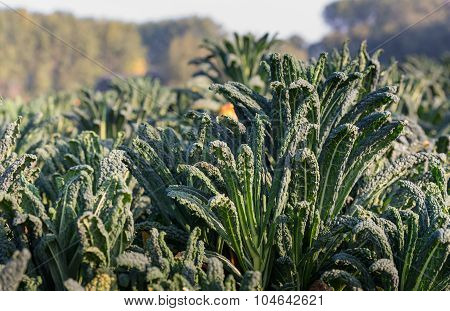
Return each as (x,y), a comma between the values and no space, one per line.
(269,173)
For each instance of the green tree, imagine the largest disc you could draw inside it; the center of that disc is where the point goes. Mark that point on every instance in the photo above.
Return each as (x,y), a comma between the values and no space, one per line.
(33,62)
(158,38)
(378,20)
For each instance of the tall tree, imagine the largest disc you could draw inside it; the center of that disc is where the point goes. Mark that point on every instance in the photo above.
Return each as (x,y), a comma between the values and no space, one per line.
(32,61)
(379,20)
(164,40)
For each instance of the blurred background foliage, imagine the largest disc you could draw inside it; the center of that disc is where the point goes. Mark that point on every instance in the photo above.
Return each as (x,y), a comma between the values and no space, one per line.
(378,20)
(32,62)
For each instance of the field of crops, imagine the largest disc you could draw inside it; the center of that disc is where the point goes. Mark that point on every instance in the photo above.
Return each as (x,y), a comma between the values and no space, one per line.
(282,175)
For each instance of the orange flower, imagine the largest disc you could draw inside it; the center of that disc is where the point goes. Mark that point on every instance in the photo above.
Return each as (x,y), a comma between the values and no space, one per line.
(227,109)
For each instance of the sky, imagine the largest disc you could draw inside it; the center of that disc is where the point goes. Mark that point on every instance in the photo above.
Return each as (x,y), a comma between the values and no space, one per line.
(285,17)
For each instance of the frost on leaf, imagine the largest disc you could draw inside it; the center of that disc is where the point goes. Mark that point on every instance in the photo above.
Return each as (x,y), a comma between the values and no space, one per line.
(12,273)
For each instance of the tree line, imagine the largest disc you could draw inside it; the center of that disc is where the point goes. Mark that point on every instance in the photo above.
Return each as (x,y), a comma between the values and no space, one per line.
(34,62)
